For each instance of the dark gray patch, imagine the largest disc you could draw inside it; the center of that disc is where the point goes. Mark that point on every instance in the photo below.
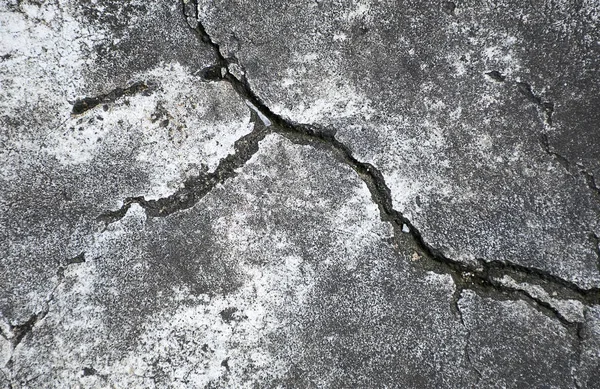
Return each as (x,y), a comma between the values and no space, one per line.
(80,258)
(229,314)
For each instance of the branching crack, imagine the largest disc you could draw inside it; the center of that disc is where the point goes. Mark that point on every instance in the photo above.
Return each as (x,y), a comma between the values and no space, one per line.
(482,277)
(547,108)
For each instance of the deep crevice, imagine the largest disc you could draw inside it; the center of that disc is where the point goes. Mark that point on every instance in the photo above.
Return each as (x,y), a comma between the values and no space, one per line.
(22,330)
(468,276)
(481,277)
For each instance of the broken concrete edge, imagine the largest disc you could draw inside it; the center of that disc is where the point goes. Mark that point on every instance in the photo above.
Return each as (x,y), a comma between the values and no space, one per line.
(482,277)
(195,188)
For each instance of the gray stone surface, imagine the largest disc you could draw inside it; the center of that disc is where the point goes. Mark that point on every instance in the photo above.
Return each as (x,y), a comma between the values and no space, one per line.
(530,355)
(60,171)
(405,86)
(299,194)
(287,290)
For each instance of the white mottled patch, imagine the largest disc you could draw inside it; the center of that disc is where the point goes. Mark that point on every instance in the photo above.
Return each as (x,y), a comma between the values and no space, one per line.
(6,350)
(335,98)
(363,227)
(442,280)
(192,344)
(360,11)
(48,48)
(193,137)
(49,51)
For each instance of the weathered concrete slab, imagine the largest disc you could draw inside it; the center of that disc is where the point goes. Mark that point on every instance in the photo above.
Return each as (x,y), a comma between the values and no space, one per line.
(456,109)
(260,284)
(63,168)
(536,351)
(299,194)
(589,375)
(269,269)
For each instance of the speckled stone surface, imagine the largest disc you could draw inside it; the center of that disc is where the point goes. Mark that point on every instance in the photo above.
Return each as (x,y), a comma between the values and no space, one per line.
(299,194)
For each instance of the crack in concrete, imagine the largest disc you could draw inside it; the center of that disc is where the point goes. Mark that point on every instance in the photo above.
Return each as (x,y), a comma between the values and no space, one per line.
(456,299)
(20,331)
(481,278)
(547,108)
(544,107)
(195,188)
(17,333)
(596,242)
(589,178)
(579,349)
(545,143)
(140,87)
(8,380)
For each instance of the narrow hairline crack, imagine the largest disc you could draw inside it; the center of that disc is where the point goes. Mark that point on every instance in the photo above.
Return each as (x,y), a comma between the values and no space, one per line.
(20,331)
(590,180)
(547,109)
(481,277)
(457,297)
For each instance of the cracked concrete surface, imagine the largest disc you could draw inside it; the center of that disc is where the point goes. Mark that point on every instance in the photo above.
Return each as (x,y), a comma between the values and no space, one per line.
(299,194)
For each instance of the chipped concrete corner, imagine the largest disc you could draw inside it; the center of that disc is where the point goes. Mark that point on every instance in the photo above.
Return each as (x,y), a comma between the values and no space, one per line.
(350,194)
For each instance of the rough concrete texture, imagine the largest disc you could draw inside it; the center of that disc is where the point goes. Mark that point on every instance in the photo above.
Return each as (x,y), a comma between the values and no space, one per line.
(348,194)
